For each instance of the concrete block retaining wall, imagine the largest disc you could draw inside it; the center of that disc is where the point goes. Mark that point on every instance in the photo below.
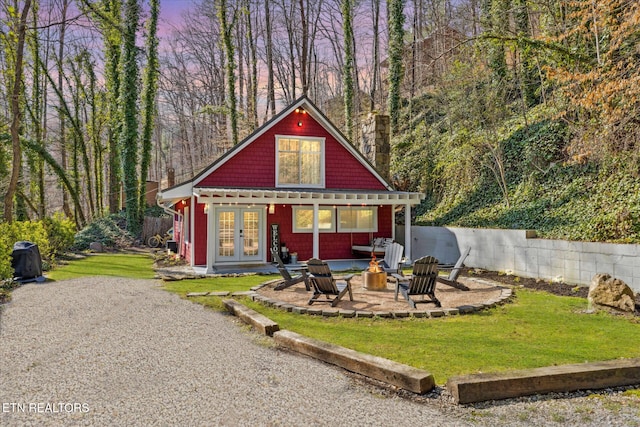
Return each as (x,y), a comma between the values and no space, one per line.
(521,253)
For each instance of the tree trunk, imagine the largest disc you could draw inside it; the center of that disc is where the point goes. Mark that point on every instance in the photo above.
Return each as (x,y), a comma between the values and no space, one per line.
(304,80)
(396,44)
(16,113)
(347,73)
(63,131)
(226,28)
(129,99)
(252,107)
(149,99)
(376,54)
(271,95)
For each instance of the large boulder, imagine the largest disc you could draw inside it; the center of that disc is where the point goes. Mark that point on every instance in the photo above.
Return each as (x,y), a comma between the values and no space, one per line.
(610,292)
(96,247)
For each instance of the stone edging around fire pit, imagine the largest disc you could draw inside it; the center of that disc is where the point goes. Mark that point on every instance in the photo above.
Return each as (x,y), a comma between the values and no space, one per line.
(505,295)
(335,311)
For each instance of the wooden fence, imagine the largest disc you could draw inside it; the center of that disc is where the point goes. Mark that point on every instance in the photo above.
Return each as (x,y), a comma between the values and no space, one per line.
(153,226)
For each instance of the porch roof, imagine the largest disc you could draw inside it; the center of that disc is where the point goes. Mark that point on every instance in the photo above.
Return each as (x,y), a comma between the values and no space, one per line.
(307,196)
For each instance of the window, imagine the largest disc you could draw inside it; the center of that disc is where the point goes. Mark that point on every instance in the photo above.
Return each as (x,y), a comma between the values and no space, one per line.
(358,219)
(303,219)
(299,161)
(186,225)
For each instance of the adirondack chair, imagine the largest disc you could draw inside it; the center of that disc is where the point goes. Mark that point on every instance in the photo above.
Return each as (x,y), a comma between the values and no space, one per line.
(289,280)
(452,279)
(324,283)
(393,258)
(422,282)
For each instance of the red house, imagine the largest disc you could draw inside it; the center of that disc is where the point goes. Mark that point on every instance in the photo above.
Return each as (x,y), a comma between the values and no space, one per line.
(295,181)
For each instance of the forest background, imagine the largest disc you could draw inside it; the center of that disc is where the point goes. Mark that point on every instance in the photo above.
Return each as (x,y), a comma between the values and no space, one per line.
(505,113)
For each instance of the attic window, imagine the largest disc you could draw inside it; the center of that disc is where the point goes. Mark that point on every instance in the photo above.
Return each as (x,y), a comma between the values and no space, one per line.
(299,161)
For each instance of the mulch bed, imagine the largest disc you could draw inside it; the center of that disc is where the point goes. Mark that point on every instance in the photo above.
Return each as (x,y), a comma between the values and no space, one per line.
(555,288)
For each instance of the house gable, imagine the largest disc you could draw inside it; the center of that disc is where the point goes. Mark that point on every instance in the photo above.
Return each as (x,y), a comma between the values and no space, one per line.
(252,163)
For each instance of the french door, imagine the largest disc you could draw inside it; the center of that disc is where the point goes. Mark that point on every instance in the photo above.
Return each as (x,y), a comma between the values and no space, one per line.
(238,234)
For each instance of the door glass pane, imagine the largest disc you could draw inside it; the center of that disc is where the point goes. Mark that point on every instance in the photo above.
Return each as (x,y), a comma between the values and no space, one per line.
(251,233)
(226,229)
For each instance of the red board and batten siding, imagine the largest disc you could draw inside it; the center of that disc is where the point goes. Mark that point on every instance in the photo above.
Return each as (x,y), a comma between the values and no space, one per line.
(255,165)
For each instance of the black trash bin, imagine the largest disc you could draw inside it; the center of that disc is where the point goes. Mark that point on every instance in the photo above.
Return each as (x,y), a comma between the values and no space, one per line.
(26,261)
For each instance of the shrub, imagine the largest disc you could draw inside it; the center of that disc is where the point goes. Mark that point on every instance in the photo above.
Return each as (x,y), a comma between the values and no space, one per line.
(6,247)
(31,231)
(60,231)
(109,231)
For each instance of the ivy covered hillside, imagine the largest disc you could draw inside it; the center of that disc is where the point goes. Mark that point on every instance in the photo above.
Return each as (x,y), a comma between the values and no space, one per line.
(534,125)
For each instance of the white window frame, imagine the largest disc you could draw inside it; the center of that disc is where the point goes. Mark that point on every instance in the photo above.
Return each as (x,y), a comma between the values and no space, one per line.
(310,230)
(373,229)
(321,184)
(186,225)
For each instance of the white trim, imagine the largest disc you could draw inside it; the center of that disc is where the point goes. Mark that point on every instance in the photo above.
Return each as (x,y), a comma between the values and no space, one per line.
(407,231)
(374,221)
(393,222)
(261,131)
(321,140)
(316,232)
(308,197)
(329,127)
(310,230)
(239,210)
(211,251)
(174,194)
(192,216)
(319,117)
(185,189)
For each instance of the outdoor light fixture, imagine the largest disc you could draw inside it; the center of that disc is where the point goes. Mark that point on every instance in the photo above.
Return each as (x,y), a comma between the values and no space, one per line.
(272,208)
(300,111)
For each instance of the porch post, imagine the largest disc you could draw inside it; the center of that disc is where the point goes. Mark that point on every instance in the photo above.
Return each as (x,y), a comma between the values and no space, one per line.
(316,231)
(192,220)
(393,222)
(211,238)
(407,231)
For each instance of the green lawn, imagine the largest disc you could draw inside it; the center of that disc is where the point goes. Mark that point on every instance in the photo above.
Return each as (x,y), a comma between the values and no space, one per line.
(136,266)
(536,329)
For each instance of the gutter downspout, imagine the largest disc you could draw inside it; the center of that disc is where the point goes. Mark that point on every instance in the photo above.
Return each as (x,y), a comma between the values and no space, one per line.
(173,212)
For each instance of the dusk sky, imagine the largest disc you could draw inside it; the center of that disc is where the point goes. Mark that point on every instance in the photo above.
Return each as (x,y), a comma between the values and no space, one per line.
(171,11)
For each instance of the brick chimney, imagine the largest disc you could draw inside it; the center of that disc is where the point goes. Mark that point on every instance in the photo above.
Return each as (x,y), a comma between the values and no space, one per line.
(376,144)
(171,177)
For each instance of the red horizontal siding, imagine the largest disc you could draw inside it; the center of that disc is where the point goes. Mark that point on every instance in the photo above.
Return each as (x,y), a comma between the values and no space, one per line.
(254,166)
(332,245)
(199,239)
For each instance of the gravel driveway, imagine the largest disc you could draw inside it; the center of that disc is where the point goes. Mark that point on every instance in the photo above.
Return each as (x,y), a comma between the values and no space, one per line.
(105,351)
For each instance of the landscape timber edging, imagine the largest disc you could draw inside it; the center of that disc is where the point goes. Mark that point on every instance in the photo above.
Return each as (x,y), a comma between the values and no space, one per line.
(262,323)
(564,378)
(464,389)
(385,370)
